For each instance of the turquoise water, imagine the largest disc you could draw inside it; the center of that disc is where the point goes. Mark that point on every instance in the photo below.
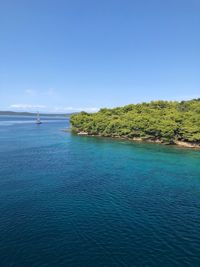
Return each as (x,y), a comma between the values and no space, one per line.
(82,201)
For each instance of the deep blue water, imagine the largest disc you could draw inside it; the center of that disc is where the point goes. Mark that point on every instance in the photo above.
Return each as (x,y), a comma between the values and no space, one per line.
(82,201)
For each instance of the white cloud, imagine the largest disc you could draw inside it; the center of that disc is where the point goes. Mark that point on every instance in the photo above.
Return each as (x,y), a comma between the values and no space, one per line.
(186,97)
(32,107)
(75,109)
(26,106)
(31,92)
(40,93)
(49,92)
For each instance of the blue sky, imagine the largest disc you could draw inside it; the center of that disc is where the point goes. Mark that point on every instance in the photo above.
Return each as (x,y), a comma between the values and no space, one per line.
(64,55)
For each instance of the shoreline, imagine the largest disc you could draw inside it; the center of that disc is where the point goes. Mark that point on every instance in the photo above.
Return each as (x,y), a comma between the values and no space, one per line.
(178,143)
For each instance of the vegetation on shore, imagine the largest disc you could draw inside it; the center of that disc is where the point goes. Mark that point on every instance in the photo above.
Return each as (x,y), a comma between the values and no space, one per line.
(164,121)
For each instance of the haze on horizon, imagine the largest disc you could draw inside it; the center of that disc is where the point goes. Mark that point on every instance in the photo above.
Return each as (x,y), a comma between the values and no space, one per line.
(65,56)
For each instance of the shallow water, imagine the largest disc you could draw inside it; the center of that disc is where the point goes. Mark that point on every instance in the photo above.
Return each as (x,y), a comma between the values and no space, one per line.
(81,201)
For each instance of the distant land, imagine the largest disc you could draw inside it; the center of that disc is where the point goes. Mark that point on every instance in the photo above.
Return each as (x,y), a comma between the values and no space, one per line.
(14,113)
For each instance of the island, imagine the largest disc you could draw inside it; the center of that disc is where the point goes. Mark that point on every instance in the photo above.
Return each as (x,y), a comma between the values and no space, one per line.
(167,122)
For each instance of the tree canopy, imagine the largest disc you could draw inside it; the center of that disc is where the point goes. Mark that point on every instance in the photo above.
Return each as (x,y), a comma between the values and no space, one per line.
(166,121)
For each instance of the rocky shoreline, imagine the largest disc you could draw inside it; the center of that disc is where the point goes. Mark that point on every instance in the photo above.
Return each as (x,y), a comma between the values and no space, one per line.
(180,143)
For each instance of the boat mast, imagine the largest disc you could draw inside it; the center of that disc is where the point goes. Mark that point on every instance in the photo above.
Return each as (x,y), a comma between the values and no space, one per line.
(38,118)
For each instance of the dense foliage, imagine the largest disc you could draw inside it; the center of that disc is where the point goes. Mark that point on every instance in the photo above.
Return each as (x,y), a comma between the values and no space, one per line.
(158,120)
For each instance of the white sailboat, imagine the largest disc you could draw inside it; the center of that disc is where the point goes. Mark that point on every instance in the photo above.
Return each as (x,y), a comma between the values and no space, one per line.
(38,121)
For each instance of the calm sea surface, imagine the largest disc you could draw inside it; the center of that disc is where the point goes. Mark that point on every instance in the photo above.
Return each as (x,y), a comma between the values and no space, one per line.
(82,201)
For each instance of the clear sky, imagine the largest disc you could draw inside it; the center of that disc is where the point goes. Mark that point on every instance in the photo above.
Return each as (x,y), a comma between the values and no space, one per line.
(68,55)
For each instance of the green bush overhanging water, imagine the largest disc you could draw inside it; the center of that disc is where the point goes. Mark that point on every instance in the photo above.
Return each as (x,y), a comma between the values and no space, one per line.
(166,121)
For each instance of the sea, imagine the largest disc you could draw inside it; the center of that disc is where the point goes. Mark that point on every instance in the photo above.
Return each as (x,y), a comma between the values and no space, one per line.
(79,201)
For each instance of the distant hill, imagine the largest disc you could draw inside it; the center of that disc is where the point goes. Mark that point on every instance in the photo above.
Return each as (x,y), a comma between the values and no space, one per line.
(10,113)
